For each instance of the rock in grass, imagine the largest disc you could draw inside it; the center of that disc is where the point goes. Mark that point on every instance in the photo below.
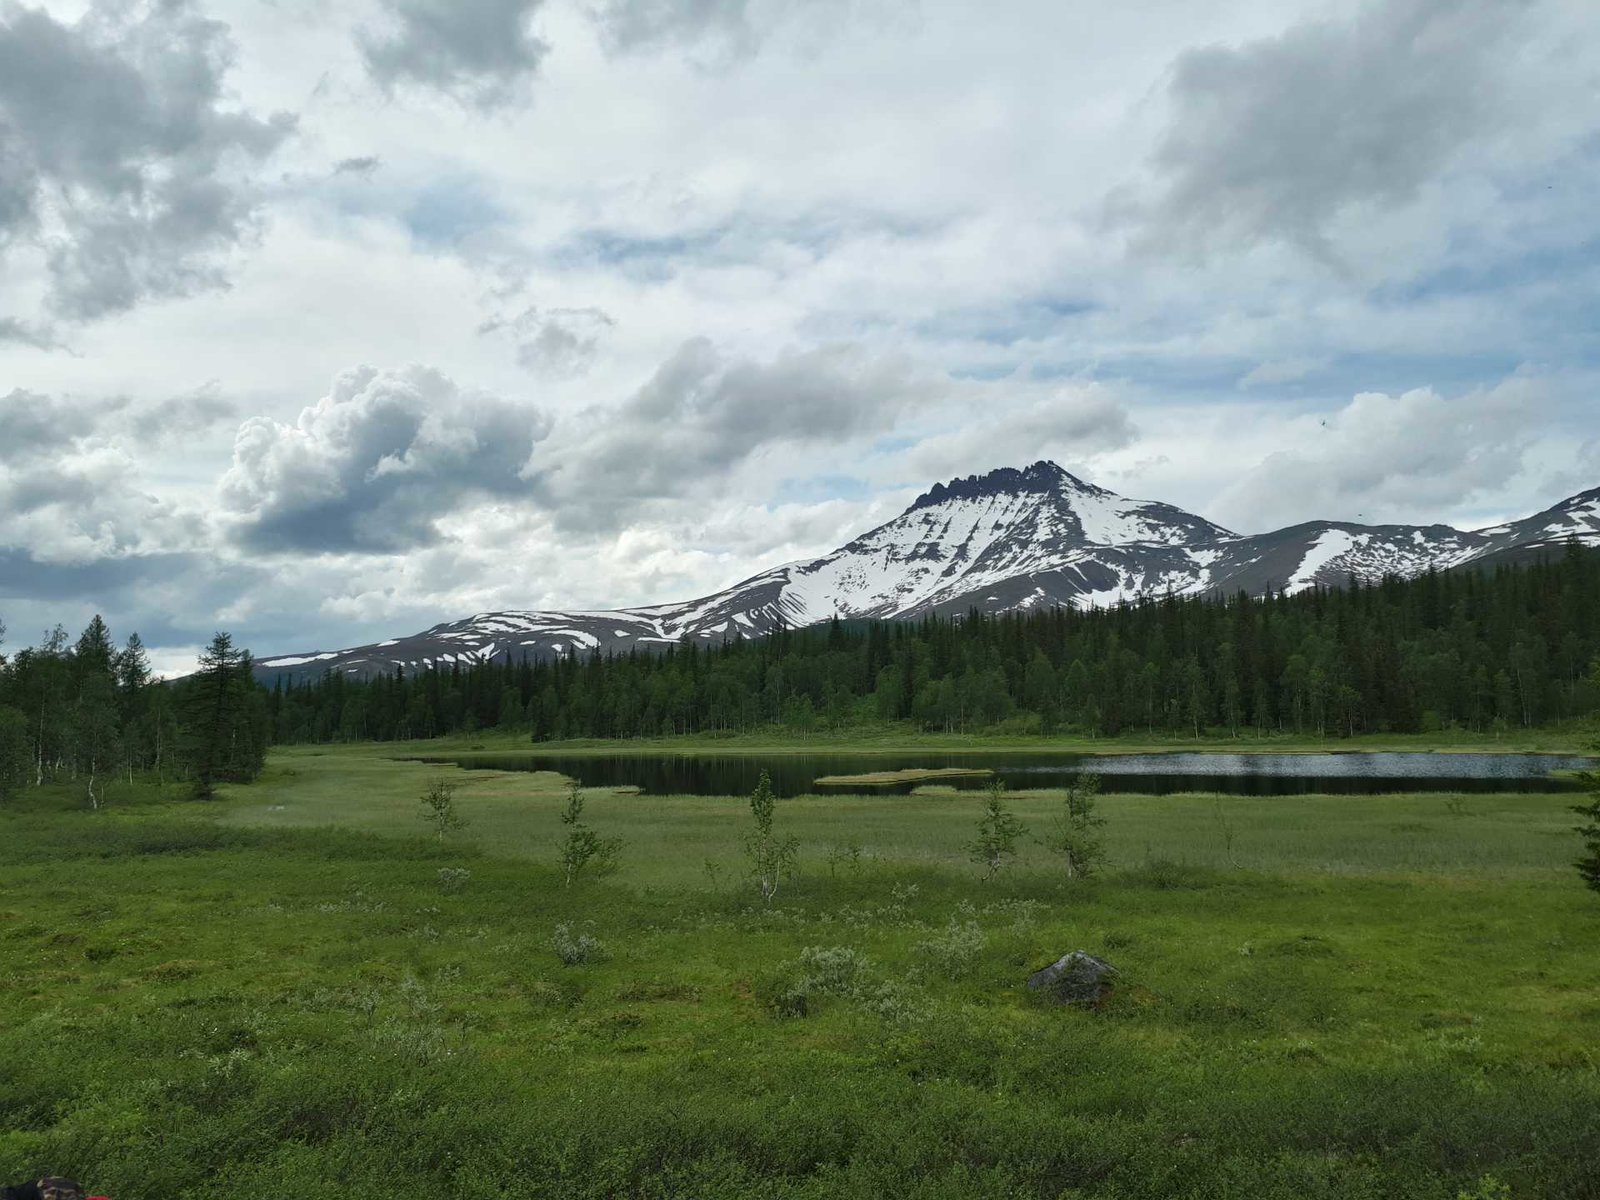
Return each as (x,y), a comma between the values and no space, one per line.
(1077,978)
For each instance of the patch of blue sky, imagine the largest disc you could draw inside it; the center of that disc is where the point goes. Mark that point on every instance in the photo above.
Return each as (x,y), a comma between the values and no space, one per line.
(830,325)
(1544,261)
(623,250)
(892,444)
(1330,381)
(1178,378)
(1396,373)
(1546,266)
(451,212)
(985,372)
(814,489)
(741,238)
(1006,325)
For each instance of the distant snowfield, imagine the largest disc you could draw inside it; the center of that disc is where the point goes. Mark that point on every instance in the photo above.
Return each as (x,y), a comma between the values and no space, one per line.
(1328,547)
(1007,541)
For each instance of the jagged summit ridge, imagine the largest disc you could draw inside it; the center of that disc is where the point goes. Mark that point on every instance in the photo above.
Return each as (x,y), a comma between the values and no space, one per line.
(1008,540)
(1042,476)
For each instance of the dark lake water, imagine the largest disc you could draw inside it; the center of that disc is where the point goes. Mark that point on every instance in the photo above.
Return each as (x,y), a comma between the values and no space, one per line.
(1159,774)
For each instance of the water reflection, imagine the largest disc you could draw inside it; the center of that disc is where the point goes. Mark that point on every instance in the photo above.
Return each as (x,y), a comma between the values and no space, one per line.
(1158,774)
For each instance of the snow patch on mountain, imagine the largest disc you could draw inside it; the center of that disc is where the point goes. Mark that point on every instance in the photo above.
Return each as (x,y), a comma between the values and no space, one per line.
(1326,549)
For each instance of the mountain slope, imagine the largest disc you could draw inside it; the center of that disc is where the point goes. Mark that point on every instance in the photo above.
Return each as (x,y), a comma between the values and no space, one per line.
(1011,539)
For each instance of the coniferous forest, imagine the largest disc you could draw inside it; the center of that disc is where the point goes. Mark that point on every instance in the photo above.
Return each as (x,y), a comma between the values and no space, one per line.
(1467,650)
(89,713)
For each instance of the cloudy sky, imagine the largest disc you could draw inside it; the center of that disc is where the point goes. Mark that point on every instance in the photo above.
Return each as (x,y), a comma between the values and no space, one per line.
(322,321)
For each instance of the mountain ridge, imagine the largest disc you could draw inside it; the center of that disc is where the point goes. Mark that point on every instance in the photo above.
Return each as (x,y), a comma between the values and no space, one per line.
(1009,539)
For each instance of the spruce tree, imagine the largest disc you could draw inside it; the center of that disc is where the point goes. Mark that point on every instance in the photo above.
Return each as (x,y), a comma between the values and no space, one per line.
(96,727)
(132,669)
(224,719)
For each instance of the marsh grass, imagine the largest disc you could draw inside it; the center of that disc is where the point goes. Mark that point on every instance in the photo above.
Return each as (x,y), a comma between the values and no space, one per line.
(517,814)
(274,997)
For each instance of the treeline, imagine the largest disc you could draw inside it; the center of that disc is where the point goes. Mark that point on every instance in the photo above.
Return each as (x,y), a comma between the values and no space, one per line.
(89,713)
(1459,650)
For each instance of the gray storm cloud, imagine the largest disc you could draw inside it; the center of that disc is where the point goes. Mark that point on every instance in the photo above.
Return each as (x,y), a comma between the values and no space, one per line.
(71,485)
(117,159)
(480,52)
(35,426)
(1275,139)
(701,415)
(734,27)
(24,334)
(375,465)
(362,166)
(643,24)
(560,342)
(36,429)
(1072,423)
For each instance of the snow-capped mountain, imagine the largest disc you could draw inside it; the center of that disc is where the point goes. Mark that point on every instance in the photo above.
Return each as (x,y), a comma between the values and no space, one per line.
(1008,540)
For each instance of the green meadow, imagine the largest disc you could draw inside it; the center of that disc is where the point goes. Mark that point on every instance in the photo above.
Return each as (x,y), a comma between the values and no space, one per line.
(297,991)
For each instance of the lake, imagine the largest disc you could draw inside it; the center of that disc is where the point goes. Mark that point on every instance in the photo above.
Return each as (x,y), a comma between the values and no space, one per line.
(1158,774)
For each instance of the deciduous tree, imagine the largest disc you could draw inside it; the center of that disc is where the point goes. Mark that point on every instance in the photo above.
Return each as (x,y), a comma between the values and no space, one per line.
(999,831)
(771,857)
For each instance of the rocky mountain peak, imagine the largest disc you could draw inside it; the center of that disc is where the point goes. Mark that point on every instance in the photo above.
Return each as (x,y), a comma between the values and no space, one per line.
(1038,478)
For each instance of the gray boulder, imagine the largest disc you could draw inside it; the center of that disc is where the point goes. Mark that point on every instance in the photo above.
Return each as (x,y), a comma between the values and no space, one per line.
(1075,978)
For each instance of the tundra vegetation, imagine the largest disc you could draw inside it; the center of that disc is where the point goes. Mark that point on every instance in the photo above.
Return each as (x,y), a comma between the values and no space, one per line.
(296,987)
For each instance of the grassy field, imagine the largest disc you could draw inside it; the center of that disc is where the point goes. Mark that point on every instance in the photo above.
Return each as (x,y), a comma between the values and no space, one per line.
(291,993)
(517,814)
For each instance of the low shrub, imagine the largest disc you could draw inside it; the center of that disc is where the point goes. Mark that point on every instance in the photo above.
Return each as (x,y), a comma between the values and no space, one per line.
(575,949)
(819,971)
(952,951)
(1166,875)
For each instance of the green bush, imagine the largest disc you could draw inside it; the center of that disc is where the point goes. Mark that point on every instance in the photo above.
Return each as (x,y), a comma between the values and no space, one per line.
(952,952)
(575,949)
(819,971)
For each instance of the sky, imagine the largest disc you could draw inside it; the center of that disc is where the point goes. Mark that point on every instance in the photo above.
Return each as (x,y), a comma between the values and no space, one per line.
(322,321)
